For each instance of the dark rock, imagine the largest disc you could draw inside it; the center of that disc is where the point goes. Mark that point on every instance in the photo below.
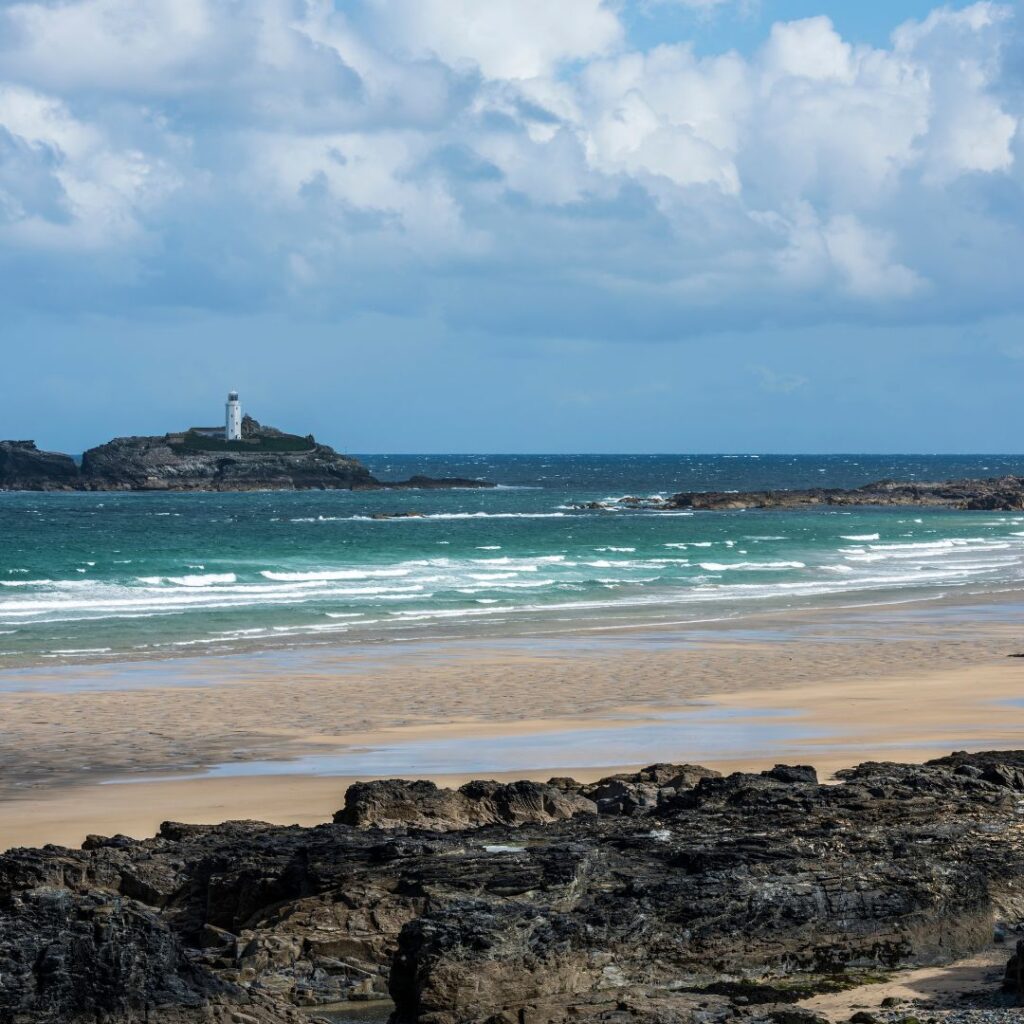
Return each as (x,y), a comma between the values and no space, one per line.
(793,773)
(428,483)
(518,903)
(1013,982)
(23,467)
(796,1015)
(640,792)
(392,803)
(264,459)
(864,1017)
(1004,494)
(92,953)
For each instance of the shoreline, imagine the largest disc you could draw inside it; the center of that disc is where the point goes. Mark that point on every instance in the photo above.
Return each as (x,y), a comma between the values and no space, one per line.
(606,623)
(280,740)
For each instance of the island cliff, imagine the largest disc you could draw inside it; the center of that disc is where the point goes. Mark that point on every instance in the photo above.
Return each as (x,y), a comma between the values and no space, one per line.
(23,467)
(196,460)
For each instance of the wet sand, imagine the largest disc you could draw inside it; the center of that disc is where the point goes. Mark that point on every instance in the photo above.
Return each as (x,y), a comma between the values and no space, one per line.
(97,749)
(952,986)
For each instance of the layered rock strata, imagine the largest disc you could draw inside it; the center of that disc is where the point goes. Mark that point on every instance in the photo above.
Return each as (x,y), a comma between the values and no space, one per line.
(670,895)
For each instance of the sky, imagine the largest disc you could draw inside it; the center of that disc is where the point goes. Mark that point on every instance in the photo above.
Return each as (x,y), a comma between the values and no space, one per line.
(516,225)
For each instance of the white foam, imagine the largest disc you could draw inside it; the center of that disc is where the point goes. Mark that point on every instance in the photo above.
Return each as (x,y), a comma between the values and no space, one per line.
(324,575)
(463,515)
(945,544)
(750,566)
(209,579)
(861,536)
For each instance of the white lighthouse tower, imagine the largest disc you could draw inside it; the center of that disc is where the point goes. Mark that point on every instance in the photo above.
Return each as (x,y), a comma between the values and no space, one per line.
(233,418)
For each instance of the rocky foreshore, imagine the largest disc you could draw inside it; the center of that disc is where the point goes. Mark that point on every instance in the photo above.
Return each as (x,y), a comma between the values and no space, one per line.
(669,896)
(997,494)
(265,459)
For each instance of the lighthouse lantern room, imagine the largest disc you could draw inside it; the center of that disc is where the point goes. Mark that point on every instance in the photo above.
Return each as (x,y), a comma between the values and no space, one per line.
(233,418)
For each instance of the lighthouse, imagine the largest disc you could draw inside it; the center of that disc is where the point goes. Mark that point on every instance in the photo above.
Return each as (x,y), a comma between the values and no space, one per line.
(233,418)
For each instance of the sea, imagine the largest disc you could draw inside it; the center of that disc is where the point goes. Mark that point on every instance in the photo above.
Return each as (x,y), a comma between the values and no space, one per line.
(112,576)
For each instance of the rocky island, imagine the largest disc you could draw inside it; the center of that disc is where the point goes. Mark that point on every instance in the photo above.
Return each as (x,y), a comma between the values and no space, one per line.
(997,494)
(261,458)
(669,896)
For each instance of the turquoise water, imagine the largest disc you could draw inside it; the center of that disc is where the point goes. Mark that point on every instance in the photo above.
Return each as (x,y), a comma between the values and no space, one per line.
(112,576)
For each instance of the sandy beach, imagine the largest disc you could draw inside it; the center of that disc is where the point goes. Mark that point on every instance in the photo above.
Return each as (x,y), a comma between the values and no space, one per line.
(108,749)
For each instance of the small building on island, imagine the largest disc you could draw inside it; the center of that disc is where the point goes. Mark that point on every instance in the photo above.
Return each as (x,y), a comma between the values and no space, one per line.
(232,429)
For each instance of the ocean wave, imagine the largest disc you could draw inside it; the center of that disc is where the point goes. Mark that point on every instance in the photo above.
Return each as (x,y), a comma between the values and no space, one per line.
(860,536)
(944,543)
(80,650)
(207,579)
(913,552)
(317,575)
(750,566)
(449,516)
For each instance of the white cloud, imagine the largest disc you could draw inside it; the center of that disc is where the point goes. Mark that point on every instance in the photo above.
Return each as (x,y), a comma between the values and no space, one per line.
(969,130)
(112,43)
(473,158)
(864,260)
(95,188)
(503,38)
(808,49)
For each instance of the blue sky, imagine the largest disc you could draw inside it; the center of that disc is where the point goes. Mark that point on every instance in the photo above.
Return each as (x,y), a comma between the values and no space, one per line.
(511,225)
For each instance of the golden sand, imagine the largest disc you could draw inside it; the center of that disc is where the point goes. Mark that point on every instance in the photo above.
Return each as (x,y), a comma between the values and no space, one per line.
(852,687)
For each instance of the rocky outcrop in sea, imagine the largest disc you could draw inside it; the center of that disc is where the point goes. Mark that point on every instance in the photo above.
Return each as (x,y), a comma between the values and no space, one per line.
(669,896)
(998,494)
(1003,494)
(193,460)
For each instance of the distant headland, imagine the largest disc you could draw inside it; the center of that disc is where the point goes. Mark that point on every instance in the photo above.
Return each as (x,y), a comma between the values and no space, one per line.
(243,455)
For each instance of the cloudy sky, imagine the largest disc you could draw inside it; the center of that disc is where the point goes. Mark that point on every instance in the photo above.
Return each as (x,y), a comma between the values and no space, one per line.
(516,225)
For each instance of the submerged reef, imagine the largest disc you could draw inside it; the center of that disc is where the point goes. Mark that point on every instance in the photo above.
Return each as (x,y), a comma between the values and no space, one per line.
(669,896)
